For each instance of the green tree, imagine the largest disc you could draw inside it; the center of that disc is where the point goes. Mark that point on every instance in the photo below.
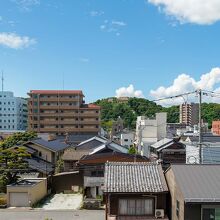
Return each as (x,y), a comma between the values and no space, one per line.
(11,161)
(59,166)
(17,139)
(132,150)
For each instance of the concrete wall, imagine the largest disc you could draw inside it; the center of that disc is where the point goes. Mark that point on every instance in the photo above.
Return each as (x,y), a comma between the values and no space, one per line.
(61,183)
(35,192)
(176,194)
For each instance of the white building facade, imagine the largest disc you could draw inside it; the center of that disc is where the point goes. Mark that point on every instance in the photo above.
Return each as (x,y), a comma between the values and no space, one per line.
(13,112)
(127,139)
(149,131)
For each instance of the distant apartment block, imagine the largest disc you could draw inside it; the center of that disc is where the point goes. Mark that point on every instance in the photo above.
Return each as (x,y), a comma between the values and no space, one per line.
(216,127)
(189,114)
(62,111)
(13,112)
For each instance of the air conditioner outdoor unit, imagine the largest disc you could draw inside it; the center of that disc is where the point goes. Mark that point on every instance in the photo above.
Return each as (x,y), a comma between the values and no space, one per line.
(159,213)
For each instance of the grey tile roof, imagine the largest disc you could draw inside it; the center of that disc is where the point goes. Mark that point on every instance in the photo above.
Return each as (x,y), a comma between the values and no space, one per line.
(211,155)
(55,145)
(198,183)
(74,154)
(40,165)
(90,145)
(130,177)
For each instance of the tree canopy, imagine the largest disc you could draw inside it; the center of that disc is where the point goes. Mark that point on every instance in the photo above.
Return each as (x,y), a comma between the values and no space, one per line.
(112,108)
(17,139)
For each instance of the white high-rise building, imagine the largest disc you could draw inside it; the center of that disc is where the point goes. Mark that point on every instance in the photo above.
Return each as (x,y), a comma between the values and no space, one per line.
(13,112)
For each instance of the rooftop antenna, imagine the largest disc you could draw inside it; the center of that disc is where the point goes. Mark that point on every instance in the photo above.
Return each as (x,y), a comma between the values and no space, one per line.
(2,81)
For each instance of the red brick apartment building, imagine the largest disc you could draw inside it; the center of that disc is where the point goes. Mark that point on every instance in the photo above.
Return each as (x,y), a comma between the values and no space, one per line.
(62,111)
(216,127)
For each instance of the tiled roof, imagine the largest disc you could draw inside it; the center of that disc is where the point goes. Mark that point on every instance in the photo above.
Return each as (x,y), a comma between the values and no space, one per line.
(102,158)
(198,183)
(74,154)
(130,177)
(40,165)
(56,92)
(54,145)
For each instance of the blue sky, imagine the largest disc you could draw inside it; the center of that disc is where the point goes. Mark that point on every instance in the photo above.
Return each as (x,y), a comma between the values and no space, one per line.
(100,46)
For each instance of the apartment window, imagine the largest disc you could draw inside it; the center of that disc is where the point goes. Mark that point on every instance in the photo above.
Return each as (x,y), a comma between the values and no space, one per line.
(211,213)
(136,207)
(9,103)
(76,126)
(81,111)
(35,125)
(97,126)
(35,103)
(82,119)
(97,111)
(82,126)
(126,140)
(97,119)
(177,208)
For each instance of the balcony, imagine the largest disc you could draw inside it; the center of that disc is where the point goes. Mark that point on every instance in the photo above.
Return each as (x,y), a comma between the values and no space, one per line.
(60,99)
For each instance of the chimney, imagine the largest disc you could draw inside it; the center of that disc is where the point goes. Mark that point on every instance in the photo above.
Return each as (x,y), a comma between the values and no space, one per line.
(51,137)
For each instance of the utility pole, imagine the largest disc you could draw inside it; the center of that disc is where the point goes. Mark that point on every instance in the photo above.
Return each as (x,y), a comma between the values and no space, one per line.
(200,125)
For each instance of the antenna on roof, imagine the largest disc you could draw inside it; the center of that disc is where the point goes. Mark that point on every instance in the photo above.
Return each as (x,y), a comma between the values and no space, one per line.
(2,81)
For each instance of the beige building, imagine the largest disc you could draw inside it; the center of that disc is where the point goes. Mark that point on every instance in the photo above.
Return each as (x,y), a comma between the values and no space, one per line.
(27,192)
(189,114)
(62,111)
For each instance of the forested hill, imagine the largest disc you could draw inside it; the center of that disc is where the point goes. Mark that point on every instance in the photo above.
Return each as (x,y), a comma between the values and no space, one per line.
(128,110)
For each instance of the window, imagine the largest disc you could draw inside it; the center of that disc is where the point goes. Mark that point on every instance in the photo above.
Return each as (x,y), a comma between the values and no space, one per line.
(126,140)
(136,206)
(177,208)
(211,213)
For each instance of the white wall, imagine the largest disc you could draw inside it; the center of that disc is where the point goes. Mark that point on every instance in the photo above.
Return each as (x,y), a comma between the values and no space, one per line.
(127,139)
(13,112)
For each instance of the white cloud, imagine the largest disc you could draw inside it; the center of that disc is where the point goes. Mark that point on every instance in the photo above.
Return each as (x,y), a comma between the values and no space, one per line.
(26,5)
(15,41)
(129,92)
(113,26)
(201,12)
(185,83)
(119,23)
(84,60)
(96,13)
(102,27)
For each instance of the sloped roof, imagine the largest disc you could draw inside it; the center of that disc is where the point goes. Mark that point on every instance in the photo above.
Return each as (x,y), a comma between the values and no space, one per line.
(74,154)
(198,183)
(130,177)
(110,145)
(92,143)
(54,145)
(102,158)
(40,165)
(164,142)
